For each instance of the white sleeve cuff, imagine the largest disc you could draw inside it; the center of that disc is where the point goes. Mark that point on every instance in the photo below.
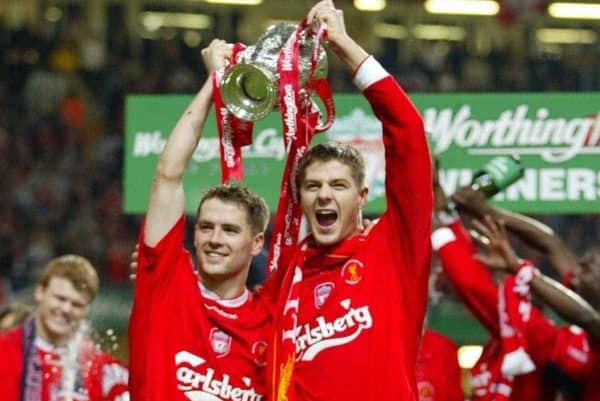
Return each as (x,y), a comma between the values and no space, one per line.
(369,72)
(441,237)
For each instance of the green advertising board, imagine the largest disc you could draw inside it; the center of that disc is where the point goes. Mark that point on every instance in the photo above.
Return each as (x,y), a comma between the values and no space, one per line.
(556,135)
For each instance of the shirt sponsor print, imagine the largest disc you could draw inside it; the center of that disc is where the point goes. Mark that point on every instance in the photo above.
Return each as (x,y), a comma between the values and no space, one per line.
(201,383)
(312,338)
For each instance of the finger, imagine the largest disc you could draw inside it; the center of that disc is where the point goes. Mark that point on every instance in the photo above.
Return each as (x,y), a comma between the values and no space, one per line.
(482,259)
(479,238)
(315,10)
(502,228)
(480,227)
(489,262)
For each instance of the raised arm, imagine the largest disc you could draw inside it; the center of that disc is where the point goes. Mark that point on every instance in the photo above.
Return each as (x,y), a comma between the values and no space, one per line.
(530,231)
(470,279)
(167,201)
(568,304)
(350,52)
(408,166)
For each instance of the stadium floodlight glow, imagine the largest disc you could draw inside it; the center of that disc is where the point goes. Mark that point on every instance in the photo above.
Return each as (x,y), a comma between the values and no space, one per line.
(53,14)
(276,21)
(439,32)
(236,2)
(566,36)
(468,355)
(462,7)
(390,31)
(369,5)
(574,10)
(154,20)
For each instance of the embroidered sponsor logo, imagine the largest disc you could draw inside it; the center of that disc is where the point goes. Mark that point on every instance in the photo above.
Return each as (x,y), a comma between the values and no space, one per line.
(323,334)
(322,292)
(259,350)
(352,271)
(199,383)
(220,342)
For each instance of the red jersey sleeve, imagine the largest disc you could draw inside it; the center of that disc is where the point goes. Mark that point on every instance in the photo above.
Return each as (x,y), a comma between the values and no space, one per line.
(572,352)
(472,282)
(170,246)
(11,363)
(156,266)
(408,189)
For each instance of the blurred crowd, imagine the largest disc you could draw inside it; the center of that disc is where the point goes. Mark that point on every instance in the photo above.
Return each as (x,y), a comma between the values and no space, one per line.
(62,93)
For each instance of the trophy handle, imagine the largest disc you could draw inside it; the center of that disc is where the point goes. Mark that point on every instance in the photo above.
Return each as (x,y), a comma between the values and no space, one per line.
(323,90)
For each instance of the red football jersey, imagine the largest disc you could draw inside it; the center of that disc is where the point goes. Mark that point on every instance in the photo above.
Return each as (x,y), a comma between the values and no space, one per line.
(362,302)
(591,390)
(438,373)
(100,376)
(186,344)
(564,347)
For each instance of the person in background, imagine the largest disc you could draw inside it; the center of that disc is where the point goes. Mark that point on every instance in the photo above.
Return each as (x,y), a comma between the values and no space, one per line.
(50,355)
(439,377)
(438,373)
(544,360)
(582,275)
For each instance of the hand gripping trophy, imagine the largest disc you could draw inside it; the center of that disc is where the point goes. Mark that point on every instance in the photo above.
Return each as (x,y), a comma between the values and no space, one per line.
(285,67)
(250,88)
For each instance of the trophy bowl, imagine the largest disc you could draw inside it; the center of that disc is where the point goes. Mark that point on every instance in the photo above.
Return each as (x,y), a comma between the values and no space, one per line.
(250,88)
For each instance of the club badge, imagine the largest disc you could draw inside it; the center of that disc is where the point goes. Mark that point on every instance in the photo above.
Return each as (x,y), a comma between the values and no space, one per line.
(259,350)
(220,342)
(426,391)
(352,271)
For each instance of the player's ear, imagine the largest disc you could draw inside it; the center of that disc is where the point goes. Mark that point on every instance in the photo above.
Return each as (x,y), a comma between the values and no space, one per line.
(258,243)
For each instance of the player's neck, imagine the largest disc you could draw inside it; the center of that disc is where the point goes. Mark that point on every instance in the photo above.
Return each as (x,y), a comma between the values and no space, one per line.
(230,289)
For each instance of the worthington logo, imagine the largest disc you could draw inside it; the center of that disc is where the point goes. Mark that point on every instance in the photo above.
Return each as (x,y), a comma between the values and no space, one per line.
(323,334)
(265,144)
(554,139)
(202,385)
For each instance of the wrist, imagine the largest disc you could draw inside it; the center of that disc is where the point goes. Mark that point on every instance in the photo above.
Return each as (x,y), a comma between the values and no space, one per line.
(566,278)
(525,271)
(350,52)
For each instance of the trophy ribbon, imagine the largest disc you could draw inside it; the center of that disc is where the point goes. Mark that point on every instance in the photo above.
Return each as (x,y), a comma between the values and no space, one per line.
(300,123)
(233,132)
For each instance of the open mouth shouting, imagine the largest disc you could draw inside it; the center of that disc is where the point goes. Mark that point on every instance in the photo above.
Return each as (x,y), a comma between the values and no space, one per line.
(326,219)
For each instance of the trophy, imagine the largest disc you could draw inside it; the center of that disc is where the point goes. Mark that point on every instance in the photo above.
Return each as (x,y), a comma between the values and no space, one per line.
(250,88)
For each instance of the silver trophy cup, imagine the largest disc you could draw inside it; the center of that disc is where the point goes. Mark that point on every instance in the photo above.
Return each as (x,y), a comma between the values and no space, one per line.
(250,88)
